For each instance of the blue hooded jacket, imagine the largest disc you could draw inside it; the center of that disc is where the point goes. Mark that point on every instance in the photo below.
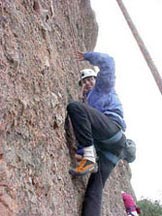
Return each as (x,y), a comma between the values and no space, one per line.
(103,96)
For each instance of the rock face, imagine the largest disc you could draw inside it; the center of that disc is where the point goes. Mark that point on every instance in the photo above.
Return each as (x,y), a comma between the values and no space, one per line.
(38,76)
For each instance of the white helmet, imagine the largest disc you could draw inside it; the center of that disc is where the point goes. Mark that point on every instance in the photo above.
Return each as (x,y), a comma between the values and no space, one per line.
(87,73)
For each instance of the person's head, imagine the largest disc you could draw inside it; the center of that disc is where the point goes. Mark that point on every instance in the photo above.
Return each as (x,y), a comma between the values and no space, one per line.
(87,79)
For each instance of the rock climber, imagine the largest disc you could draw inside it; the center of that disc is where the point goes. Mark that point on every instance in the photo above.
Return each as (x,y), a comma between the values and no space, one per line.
(130,205)
(98,126)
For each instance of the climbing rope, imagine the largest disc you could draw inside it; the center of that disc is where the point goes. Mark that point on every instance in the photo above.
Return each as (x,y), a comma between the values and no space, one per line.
(144,51)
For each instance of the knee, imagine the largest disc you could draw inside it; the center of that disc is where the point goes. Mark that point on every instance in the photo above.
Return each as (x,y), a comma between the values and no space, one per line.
(73,106)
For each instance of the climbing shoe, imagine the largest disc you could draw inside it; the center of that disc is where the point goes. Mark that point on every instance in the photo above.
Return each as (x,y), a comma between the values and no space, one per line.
(84,167)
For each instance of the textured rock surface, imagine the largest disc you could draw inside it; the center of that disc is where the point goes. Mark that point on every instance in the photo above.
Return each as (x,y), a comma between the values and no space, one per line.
(38,76)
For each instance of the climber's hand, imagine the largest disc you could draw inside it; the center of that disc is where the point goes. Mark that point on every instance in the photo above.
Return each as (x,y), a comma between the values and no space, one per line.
(79,56)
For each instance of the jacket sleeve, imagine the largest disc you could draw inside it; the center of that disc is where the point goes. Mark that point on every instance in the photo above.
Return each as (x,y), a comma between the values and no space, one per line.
(106,75)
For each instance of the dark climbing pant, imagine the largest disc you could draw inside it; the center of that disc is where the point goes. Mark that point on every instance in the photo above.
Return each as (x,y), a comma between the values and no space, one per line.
(89,124)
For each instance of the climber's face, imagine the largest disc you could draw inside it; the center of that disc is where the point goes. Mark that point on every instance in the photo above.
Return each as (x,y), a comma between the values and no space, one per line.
(88,83)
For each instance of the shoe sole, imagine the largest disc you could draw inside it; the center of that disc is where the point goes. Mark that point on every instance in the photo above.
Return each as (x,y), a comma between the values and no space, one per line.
(90,170)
